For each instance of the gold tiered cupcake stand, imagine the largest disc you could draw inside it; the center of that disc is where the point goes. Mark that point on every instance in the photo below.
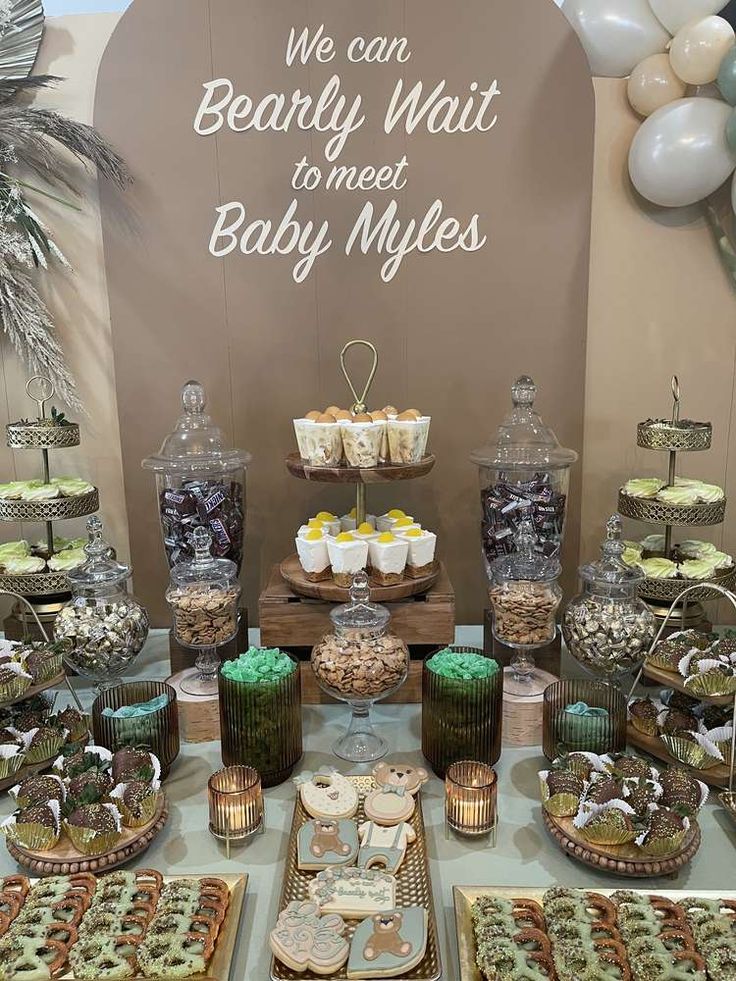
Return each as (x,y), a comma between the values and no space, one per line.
(677,436)
(46,590)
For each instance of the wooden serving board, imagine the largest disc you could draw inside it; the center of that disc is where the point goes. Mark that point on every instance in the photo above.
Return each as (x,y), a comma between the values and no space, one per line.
(64,859)
(465,896)
(626,859)
(330,592)
(716,776)
(383,473)
(669,679)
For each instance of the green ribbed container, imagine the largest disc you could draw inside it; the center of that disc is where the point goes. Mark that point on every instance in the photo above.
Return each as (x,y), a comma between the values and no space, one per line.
(261,725)
(461,720)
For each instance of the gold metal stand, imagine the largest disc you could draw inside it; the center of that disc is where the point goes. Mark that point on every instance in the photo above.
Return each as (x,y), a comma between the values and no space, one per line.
(359,405)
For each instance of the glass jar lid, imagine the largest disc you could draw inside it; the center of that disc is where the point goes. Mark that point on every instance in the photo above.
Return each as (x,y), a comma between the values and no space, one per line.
(523,441)
(611,569)
(100,567)
(525,563)
(204,567)
(196,443)
(360,613)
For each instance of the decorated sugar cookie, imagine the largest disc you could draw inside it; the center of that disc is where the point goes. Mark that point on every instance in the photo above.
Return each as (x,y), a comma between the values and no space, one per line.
(327,794)
(400,774)
(323,842)
(389,805)
(306,941)
(384,846)
(388,944)
(352,892)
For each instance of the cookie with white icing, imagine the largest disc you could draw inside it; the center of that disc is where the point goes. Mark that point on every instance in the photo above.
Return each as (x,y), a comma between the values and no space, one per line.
(384,846)
(389,805)
(306,941)
(327,794)
(388,944)
(324,842)
(353,893)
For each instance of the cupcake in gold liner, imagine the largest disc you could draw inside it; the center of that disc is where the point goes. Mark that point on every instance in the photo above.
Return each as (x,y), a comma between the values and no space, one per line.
(94,829)
(137,802)
(14,680)
(12,759)
(709,678)
(693,749)
(611,823)
(37,827)
(664,834)
(722,736)
(643,713)
(42,663)
(561,792)
(43,743)
(667,654)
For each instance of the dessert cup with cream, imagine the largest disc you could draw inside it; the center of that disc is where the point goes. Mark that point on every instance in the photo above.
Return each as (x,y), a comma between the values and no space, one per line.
(388,554)
(408,434)
(347,555)
(349,521)
(422,545)
(330,521)
(386,521)
(322,441)
(361,439)
(313,555)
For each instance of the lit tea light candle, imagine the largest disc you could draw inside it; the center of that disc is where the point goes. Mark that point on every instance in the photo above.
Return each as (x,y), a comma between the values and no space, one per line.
(471,798)
(236,803)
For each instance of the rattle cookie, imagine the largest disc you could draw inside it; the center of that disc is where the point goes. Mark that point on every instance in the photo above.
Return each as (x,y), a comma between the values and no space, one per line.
(306,941)
(323,842)
(327,794)
(388,944)
(385,846)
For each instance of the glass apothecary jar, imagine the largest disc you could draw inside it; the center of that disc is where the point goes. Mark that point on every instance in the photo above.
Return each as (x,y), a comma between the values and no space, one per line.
(360,663)
(523,470)
(203,595)
(105,627)
(200,483)
(606,627)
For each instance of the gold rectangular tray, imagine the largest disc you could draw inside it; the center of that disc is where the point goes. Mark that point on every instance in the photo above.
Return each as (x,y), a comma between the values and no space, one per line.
(220,964)
(413,888)
(465,896)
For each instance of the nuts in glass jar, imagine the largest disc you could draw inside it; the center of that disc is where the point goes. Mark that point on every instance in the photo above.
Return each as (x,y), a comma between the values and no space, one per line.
(204,617)
(355,668)
(525,612)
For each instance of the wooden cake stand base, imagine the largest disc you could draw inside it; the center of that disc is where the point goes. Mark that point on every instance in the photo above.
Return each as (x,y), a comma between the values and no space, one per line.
(620,859)
(199,715)
(328,590)
(64,859)
(522,715)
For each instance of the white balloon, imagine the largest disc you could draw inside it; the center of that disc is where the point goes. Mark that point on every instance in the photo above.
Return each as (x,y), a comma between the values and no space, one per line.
(679,154)
(698,49)
(653,84)
(616,34)
(674,14)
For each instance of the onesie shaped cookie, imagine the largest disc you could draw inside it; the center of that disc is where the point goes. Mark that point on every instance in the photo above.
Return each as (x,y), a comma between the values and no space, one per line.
(323,842)
(306,941)
(388,944)
(327,794)
(385,846)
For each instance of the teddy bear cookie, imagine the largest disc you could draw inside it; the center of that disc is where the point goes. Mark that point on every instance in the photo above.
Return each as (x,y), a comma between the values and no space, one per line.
(327,794)
(305,941)
(396,786)
(388,944)
(384,846)
(323,842)
(353,893)
(401,774)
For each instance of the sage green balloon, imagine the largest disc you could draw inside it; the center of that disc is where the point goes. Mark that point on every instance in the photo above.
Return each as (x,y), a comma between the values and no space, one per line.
(731,131)
(727,77)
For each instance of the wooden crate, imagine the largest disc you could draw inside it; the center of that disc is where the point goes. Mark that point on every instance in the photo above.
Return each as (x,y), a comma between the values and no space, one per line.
(295,623)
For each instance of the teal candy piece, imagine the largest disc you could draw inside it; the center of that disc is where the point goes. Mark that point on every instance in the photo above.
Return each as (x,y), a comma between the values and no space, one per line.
(137,710)
(731,131)
(589,711)
(325,842)
(259,664)
(726,79)
(388,944)
(462,667)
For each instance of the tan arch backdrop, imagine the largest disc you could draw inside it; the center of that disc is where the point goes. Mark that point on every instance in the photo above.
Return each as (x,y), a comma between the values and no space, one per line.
(320,146)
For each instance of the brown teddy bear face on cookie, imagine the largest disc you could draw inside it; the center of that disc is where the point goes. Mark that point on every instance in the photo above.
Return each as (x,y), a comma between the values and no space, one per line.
(327,839)
(404,775)
(386,938)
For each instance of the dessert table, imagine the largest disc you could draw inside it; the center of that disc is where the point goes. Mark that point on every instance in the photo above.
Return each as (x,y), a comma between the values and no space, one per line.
(524,854)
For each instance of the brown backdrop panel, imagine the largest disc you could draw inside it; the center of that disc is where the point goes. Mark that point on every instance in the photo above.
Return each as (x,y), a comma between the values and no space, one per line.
(453,330)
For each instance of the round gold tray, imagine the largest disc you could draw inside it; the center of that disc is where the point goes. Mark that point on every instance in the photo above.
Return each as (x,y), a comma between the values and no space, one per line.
(670,589)
(659,513)
(627,860)
(663,434)
(57,509)
(36,583)
(35,436)
(293,574)
(64,859)
(356,475)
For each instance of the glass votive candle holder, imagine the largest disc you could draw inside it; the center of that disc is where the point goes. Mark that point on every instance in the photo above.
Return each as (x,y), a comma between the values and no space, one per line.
(471,798)
(581,715)
(158,730)
(235,803)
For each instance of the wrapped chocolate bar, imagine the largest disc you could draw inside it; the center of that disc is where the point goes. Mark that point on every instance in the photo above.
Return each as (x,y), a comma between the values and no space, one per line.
(201,483)
(524,473)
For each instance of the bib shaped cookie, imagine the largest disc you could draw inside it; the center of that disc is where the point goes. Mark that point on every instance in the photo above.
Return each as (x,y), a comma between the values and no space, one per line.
(388,944)
(328,794)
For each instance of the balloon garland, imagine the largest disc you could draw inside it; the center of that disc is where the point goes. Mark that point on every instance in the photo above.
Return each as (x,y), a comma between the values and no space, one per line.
(685,148)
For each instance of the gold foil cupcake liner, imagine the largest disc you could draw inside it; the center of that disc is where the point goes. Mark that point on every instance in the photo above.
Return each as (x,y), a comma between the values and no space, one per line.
(91,842)
(45,749)
(710,685)
(9,765)
(690,753)
(562,805)
(655,661)
(663,846)
(649,729)
(14,689)
(601,835)
(34,837)
(147,810)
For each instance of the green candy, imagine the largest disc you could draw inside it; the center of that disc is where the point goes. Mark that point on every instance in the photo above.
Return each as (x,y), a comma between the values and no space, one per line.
(137,710)
(726,79)
(259,664)
(461,667)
